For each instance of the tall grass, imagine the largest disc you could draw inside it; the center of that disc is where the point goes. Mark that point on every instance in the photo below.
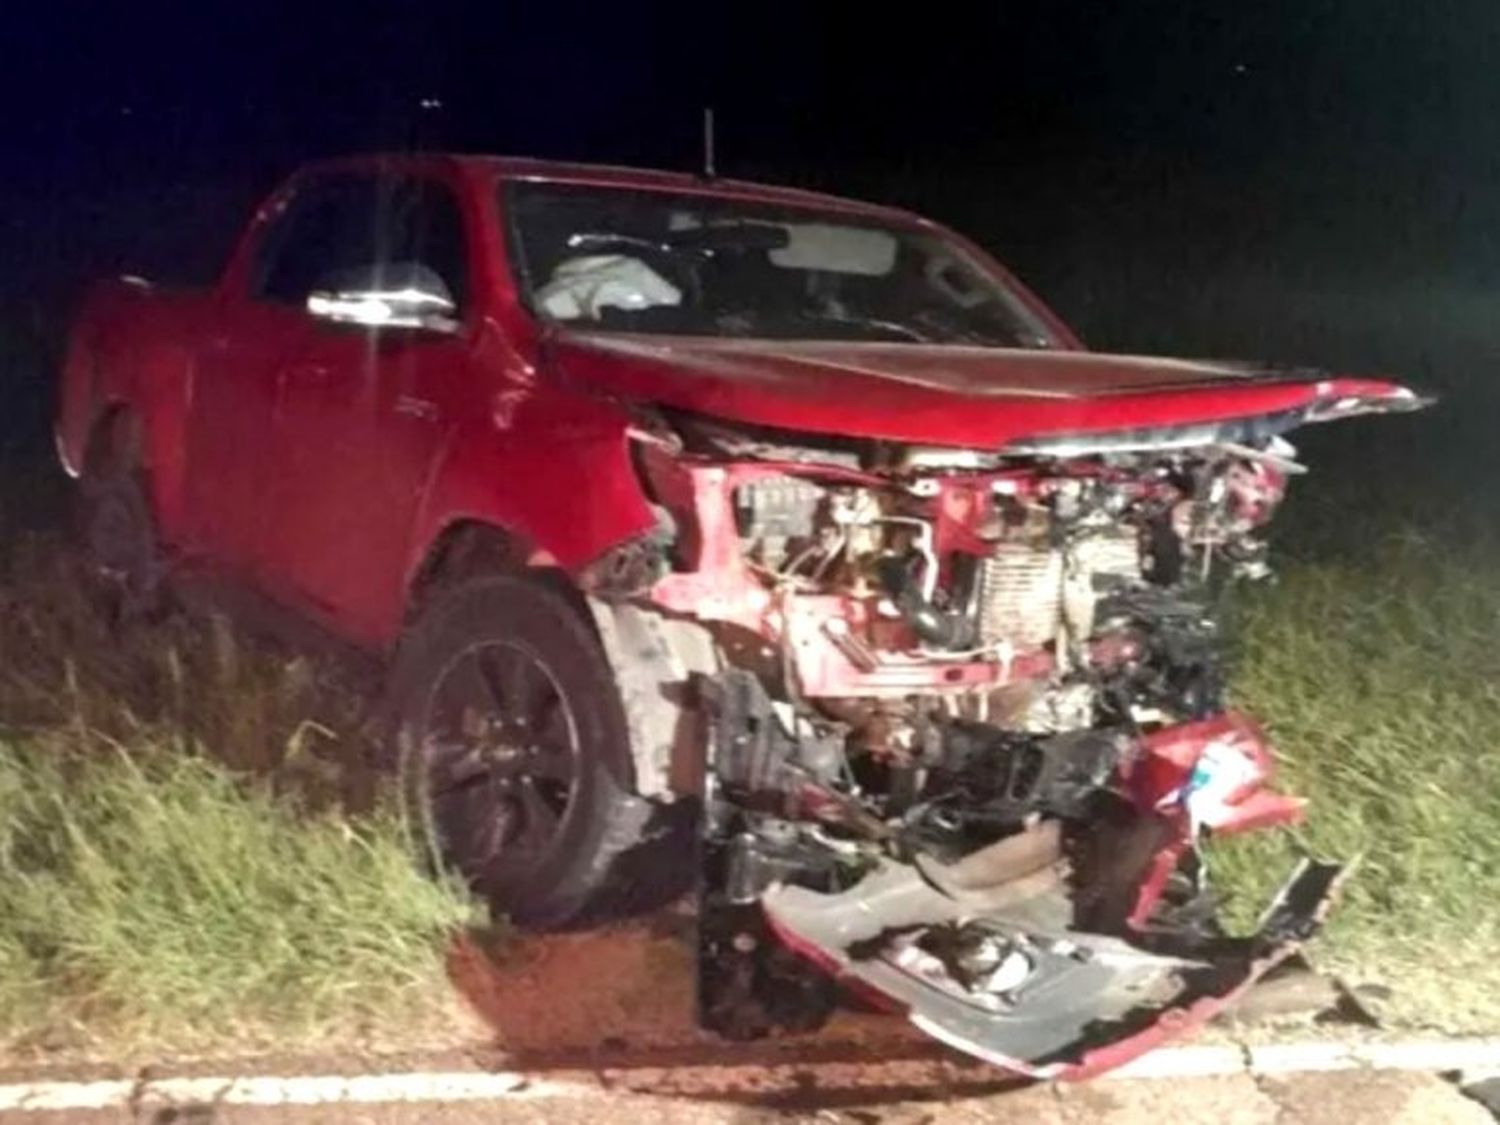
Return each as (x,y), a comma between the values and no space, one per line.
(189,679)
(194,850)
(150,896)
(1379,679)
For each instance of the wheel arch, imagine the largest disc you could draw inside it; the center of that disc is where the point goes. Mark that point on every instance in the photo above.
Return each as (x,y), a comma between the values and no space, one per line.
(145,428)
(473,546)
(115,435)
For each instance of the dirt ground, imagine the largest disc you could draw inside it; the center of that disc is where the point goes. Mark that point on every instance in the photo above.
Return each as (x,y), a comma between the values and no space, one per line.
(624,1047)
(638,994)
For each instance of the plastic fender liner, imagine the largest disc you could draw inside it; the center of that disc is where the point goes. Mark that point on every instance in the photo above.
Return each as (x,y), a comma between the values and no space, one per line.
(1091,1003)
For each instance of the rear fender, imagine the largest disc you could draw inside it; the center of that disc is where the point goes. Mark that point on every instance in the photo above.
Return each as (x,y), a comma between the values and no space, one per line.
(132,355)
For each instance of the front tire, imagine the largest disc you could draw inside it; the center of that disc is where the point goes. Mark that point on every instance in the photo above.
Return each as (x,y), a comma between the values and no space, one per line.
(515,757)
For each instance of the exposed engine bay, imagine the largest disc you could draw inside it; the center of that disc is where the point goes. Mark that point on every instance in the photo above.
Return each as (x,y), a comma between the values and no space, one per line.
(964,727)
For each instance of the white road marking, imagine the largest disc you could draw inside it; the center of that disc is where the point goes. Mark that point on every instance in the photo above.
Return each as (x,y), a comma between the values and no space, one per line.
(1469,1055)
(361,1089)
(65,1095)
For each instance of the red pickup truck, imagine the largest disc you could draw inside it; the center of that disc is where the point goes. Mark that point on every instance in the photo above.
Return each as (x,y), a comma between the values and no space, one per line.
(743,534)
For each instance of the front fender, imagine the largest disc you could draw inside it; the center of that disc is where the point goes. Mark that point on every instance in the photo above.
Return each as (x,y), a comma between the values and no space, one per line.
(565,488)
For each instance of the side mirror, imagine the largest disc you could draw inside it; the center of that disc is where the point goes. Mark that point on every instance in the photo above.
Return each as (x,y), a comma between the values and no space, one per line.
(386,295)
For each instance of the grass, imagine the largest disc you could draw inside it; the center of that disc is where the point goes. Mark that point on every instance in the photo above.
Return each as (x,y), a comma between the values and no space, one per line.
(193,852)
(154,897)
(188,680)
(1379,679)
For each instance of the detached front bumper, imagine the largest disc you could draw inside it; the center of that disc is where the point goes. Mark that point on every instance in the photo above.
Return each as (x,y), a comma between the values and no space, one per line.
(1094,1002)
(1010,956)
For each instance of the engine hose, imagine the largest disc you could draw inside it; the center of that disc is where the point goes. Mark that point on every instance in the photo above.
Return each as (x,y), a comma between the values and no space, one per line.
(930,624)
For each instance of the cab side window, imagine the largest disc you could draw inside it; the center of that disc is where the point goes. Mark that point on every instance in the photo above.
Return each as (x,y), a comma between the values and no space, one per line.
(348,226)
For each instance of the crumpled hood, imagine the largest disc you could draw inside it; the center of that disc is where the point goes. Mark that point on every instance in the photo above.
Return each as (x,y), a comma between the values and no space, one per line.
(987,398)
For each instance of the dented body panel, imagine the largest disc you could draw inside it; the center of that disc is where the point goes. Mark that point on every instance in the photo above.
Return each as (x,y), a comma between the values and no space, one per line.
(911,591)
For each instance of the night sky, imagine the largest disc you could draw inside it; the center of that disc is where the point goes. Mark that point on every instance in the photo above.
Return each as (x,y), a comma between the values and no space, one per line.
(1111,152)
(1242,83)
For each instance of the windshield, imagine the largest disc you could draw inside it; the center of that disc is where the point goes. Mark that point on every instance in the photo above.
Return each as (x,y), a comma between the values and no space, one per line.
(655,262)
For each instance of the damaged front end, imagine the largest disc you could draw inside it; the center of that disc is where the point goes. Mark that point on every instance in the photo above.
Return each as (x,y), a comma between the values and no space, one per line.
(1051,967)
(964,729)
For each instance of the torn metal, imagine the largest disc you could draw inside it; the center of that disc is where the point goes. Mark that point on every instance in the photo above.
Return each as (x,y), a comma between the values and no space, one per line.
(964,729)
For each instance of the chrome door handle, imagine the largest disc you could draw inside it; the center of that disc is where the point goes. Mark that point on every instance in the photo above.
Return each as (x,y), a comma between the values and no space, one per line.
(409,406)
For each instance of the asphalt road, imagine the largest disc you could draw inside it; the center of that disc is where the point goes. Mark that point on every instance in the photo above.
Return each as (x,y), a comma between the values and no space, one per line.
(1343,1098)
(633,1054)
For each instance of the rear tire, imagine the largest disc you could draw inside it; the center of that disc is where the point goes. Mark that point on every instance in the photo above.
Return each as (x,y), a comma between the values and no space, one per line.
(124,567)
(515,759)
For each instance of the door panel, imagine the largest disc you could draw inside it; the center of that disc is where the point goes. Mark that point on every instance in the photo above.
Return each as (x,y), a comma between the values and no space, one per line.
(359,422)
(229,428)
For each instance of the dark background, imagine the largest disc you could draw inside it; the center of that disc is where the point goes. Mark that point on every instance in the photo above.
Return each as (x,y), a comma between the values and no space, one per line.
(1290,179)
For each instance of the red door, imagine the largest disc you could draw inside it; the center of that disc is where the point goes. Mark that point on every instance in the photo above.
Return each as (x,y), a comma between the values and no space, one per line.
(361,417)
(229,429)
(360,422)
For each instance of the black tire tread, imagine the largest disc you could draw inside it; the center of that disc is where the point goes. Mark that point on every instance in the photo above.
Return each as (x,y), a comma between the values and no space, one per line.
(631,856)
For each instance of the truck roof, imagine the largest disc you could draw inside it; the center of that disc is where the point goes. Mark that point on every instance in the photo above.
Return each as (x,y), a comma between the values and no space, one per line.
(639,179)
(604,175)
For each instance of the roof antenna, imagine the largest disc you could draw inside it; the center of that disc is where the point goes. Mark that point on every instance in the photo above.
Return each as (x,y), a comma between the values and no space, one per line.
(709,171)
